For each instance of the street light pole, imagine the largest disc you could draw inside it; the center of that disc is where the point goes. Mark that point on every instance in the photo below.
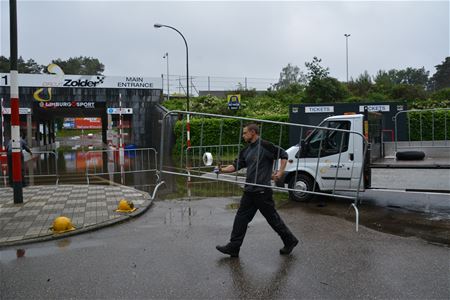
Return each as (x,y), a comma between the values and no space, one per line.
(187,60)
(346,51)
(168,90)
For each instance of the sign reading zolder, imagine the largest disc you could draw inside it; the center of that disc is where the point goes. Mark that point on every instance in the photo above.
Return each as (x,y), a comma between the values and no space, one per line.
(319,109)
(82,81)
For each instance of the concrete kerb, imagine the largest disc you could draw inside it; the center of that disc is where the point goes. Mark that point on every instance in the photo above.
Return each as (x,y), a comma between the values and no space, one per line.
(123,218)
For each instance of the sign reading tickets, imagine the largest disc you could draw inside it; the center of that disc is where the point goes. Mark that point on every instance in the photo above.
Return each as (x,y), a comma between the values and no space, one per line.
(234,101)
(319,109)
(374,108)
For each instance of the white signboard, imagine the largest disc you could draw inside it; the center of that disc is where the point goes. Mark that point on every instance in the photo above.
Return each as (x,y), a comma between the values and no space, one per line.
(83,81)
(22,111)
(73,104)
(319,109)
(374,108)
(116,111)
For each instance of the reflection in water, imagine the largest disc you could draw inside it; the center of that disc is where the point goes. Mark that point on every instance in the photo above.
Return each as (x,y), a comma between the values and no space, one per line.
(62,244)
(248,284)
(20,253)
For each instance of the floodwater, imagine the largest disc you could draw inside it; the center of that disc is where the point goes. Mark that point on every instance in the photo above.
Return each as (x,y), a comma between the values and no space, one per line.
(72,165)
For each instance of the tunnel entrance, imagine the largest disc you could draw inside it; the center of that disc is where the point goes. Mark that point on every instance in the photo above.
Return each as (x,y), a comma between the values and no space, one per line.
(45,98)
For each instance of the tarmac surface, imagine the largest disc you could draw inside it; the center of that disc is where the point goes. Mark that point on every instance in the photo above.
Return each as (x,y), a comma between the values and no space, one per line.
(169,253)
(88,206)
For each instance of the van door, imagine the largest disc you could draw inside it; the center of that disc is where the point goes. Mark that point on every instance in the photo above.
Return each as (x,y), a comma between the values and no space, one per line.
(332,152)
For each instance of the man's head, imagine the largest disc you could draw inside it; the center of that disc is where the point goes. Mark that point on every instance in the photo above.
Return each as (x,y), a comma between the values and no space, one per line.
(250,133)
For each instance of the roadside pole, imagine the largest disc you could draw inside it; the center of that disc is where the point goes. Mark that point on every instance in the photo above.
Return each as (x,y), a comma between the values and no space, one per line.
(14,92)
(121,150)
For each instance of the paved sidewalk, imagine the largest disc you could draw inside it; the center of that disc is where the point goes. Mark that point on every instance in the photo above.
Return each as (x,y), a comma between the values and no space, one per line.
(88,206)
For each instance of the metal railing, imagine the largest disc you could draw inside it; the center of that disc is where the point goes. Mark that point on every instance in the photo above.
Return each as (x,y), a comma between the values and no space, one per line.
(319,164)
(423,130)
(221,153)
(121,162)
(43,164)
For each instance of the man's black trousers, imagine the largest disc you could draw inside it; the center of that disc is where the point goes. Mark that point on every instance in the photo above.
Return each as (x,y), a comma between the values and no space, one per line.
(250,203)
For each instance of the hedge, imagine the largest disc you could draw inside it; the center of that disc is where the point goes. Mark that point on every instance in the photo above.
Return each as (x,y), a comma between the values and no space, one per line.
(226,131)
(441,124)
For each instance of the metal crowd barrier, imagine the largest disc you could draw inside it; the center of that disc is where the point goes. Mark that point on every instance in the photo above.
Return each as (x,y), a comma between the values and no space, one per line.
(190,165)
(424,134)
(221,153)
(43,164)
(122,162)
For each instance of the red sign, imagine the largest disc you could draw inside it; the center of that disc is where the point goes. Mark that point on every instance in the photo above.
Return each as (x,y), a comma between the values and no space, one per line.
(88,123)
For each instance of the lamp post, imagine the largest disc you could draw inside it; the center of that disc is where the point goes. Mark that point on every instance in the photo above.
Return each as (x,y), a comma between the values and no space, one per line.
(187,61)
(168,90)
(346,51)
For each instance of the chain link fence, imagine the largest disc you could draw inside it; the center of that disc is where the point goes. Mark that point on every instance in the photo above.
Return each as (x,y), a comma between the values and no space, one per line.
(175,85)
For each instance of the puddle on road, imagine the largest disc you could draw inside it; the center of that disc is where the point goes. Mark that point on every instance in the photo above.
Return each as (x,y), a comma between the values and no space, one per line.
(46,249)
(432,227)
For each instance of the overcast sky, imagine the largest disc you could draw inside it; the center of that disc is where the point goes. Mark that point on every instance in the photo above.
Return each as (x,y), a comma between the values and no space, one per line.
(237,39)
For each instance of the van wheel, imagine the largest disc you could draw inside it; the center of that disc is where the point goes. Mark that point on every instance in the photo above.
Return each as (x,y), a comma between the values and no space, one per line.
(410,155)
(301,183)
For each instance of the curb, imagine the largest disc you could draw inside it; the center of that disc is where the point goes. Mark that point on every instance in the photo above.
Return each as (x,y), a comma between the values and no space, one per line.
(141,210)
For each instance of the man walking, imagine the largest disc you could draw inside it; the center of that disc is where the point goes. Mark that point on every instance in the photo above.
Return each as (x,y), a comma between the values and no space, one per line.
(258,157)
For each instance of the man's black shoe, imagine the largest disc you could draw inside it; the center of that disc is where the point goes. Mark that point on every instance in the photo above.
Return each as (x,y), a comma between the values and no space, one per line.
(287,249)
(228,250)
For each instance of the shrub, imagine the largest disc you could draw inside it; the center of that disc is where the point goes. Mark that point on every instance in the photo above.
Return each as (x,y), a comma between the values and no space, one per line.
(223,131)
(422,124)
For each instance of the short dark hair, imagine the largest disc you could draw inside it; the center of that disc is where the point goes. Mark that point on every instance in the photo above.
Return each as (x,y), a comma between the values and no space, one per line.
(253,127)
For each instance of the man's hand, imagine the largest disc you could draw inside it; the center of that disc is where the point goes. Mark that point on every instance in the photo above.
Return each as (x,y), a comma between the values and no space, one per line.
(277,176)
(227,169)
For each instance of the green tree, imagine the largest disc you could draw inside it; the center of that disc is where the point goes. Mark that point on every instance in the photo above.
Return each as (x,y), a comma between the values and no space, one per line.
(409,76)
(80,65)
(325,90)
(29,66)
(362,86)
(401,84)
(321,87)
(315,70)
(442,94)
(290,75)
(412,76)
(441,79)
(408,92)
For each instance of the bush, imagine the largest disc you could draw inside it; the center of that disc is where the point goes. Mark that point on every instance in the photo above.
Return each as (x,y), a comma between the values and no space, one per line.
(421,125)
(225,131)
(443,94)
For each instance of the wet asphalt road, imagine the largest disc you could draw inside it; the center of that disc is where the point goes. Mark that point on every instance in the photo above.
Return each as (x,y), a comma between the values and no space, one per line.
(169,252)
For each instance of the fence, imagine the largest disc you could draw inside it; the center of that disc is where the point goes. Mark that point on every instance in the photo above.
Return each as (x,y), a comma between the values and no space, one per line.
(327,161)
(42,165)
(214,83)
(120,163)
(427,128)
